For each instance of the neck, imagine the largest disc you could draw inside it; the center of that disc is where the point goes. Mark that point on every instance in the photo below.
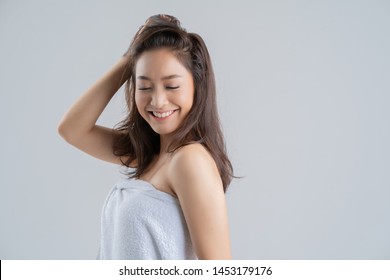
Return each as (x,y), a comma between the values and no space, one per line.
(165,140)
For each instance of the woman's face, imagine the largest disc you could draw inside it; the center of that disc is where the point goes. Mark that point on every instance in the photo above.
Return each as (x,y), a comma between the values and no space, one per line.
(164,90)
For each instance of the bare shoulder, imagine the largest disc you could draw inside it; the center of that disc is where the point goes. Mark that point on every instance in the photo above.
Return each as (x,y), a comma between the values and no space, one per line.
(193,165)
(192,152)
(195,179)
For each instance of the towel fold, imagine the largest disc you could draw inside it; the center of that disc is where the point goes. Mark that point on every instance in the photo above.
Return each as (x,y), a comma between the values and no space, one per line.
(139,222)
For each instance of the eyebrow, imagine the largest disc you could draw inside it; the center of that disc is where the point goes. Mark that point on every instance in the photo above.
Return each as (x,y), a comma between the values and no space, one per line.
(163,78)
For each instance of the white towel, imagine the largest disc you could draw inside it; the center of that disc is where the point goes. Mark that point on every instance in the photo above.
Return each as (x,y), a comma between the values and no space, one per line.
(140,222)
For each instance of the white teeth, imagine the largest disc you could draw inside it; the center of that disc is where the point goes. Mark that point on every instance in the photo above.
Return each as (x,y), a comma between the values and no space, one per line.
(162,115)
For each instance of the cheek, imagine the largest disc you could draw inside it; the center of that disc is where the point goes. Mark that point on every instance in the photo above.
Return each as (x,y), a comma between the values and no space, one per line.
(190,95)
(188,99)
(140,102)
(183,99)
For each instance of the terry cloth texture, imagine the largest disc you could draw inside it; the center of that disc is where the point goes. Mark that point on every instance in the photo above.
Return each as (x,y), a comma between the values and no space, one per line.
(140,222)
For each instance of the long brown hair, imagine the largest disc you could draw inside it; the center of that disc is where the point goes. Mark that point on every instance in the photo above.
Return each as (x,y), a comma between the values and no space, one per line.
(136,139)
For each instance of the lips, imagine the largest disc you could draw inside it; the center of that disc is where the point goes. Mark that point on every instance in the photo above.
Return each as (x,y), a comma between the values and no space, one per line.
(162,115)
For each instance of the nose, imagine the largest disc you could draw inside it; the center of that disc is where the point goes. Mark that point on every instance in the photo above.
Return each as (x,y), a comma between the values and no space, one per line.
(159,99)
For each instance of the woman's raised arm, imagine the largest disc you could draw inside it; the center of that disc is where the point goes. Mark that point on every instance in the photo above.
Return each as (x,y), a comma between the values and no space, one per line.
(78,125)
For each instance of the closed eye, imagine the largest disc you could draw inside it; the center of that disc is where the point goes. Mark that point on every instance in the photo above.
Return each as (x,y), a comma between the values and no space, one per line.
(172,87)
(145,88)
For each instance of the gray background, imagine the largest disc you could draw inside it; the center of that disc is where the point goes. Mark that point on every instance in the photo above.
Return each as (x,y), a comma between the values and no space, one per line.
(304,102)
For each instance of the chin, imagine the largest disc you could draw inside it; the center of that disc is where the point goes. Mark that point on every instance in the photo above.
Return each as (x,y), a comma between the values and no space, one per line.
(163,131)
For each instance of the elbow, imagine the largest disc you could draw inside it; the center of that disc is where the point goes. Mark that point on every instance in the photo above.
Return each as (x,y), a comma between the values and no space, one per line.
(61,131)
(71,134)
(64,132)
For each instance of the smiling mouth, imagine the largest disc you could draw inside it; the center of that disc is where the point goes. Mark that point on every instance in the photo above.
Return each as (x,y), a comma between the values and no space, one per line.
(162,115)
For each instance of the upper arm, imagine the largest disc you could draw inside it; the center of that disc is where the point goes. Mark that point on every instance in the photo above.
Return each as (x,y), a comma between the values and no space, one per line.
(196,181)
(98,143)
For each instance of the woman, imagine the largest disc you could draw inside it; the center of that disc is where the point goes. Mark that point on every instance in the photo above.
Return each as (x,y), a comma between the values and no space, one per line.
(172,205)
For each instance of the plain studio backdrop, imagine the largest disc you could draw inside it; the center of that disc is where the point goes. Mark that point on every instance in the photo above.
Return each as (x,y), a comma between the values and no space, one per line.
(304,98)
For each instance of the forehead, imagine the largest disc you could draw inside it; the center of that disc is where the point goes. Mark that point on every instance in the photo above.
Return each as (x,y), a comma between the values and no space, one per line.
(159,63)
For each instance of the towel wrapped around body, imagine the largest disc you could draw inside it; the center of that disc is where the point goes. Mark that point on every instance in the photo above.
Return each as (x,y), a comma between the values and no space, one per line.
(140,222)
